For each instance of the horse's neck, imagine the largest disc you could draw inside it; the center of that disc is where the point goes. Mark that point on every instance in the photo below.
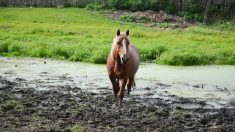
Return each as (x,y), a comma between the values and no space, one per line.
(117,60)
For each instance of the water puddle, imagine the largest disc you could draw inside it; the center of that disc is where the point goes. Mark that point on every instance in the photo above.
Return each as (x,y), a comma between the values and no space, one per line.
(213,84)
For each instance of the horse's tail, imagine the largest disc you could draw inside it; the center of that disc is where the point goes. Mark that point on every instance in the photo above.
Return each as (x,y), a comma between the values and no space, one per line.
(133,84)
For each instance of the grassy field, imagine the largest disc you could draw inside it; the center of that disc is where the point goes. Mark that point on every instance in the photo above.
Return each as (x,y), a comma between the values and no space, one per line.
(79,35)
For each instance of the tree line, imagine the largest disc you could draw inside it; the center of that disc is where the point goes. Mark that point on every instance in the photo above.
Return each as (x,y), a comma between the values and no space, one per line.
(192,10)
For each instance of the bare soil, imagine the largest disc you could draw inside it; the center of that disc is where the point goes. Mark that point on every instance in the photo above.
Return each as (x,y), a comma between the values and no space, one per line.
(62,108)
(151,18)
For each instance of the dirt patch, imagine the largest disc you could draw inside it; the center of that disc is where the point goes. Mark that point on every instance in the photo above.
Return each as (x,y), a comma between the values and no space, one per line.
(64,108)
(160,20)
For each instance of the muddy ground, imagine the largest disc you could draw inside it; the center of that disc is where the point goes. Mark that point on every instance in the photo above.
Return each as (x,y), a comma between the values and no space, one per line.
(150,18)
(63,108)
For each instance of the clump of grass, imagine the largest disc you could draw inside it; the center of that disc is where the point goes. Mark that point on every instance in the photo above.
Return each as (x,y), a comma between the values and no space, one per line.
(80,55)
(138,35)
(4,46)
(14,47)
(152,53)
(37,31)
(189,58)
(75,128)
(100,56)
(38,52)
(164,25)
(60,51)
(127,18)
(180,59)
(144,19)
(12,105)
(225,57)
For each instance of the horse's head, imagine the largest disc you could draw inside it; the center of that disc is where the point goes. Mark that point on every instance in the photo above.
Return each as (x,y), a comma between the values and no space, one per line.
(121,46)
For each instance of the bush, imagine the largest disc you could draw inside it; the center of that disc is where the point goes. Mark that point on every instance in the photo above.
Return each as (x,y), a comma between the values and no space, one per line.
(95,6)
(225,25)
(186,15)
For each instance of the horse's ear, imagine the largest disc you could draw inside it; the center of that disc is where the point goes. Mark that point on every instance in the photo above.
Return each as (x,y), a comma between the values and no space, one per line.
(127,32)
(118,32)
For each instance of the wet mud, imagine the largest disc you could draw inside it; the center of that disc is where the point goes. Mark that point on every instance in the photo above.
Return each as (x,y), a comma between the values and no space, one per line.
(64,96)
(65,108)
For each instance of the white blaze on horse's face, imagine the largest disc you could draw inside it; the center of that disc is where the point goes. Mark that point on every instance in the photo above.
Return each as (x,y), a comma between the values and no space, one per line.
(124,51)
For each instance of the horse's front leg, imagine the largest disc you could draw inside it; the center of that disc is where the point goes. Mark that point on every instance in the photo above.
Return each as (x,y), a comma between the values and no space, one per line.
(114,85)
(121,91)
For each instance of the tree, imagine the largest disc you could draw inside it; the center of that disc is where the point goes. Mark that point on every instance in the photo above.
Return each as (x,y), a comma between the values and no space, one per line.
(205,20)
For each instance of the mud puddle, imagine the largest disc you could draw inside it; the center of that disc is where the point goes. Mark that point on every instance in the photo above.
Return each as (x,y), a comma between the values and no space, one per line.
(47,95)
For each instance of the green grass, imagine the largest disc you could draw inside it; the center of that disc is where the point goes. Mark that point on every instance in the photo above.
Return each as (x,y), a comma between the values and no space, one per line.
(80,35)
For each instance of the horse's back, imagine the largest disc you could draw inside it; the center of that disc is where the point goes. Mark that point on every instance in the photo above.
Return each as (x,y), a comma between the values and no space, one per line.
(134,59)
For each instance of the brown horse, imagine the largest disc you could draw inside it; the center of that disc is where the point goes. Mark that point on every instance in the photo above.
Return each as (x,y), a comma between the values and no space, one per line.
(122,64)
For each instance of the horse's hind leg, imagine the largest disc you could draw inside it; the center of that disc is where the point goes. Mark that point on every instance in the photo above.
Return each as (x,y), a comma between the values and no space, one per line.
(117,84)
(130,81)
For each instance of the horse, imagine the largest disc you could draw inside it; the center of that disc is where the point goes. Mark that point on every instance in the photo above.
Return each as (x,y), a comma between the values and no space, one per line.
(122,65)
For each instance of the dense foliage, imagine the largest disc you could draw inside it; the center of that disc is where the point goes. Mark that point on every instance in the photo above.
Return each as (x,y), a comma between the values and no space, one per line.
(191,10)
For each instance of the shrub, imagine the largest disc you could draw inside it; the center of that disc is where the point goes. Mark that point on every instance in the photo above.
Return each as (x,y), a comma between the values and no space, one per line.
(95,6)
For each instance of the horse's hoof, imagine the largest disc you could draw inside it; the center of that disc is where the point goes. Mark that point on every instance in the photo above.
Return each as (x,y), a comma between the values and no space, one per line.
(120,105)
(128,93)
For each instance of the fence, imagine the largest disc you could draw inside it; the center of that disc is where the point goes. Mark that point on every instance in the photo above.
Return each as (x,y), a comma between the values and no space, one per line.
(45,3)
(77,3)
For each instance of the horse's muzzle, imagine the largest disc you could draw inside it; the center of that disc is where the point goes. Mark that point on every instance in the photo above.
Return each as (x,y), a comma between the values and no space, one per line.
(124,59)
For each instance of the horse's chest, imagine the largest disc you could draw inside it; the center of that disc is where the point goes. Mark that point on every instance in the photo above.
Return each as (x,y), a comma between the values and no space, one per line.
(120,72)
